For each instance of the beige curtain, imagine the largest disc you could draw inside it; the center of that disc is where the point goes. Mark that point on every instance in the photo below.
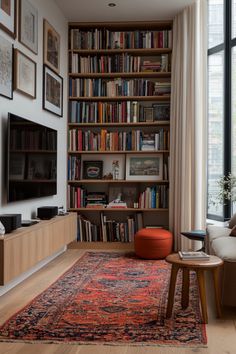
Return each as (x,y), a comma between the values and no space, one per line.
(188,123)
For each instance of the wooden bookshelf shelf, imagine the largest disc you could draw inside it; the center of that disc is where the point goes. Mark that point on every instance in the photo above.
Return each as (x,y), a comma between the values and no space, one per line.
(114,181)
(115,210)
(133,124)
(118,152)
(118,75)
(122,98)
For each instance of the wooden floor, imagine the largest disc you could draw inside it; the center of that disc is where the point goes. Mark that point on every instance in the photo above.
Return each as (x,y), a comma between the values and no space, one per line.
(221,333)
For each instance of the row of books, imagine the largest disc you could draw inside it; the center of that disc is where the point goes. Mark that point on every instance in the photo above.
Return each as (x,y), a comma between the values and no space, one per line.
(117,87)
(117,63)
(33,139)
(154,197)
(135,140)
(151,198)
(109,230)
(105,39)
(116,112)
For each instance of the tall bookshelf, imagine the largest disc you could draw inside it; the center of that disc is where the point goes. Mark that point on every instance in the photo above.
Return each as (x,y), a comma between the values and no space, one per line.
(119,110)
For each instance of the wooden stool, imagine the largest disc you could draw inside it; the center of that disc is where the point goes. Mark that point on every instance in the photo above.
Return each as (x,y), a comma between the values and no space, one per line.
(199,267)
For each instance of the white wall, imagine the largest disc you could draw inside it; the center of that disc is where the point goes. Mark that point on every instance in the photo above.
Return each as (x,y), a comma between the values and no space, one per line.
(32,109)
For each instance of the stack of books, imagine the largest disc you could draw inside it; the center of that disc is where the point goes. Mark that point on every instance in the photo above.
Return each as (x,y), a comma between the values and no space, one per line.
(198,255)
(96,200)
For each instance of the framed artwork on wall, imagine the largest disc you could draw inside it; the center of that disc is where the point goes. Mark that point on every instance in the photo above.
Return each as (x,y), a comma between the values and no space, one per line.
(24,74)
(51,47)
(28,25)
(144,167)
(52,91)
(8,17)
(6,68)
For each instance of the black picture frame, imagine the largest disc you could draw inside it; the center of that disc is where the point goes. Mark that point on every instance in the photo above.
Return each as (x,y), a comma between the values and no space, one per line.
(92,169)
(52,91)
(6,68)
(161,111)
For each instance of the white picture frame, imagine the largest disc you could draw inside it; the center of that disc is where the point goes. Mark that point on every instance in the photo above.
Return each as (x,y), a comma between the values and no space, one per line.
(28,25)
(148,167)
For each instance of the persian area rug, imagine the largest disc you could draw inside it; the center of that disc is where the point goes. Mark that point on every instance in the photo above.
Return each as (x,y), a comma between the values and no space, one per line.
(109,298)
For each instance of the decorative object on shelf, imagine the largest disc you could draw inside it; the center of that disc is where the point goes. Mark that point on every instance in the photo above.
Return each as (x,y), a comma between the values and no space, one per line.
(28,26)
(108,176)
(52,92)
(129,194)
(8,17)
(161,111)
(51,47)
(92,169)
(6,72)
(24,74)
(115,169)
(145,167)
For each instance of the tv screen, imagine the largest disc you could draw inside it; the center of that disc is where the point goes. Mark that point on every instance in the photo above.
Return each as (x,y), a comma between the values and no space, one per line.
(31,159)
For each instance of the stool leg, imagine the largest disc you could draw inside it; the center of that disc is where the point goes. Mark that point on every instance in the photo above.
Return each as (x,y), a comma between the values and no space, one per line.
(215,273)
(185,288)
(202,293)
(174,272)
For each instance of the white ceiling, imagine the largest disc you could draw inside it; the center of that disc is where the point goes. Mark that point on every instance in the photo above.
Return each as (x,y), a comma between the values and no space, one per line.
(126,10)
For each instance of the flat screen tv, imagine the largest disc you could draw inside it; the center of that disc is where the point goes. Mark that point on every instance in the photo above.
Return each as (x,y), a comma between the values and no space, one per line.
(31,159)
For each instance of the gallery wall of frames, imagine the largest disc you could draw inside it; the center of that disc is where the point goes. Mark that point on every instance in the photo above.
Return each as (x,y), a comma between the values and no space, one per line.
(33,65)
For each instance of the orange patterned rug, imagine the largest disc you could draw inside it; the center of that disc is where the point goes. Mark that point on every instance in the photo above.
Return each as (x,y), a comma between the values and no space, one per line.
(109,298)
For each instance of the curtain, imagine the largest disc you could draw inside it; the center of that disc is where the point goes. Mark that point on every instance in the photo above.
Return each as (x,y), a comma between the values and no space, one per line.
(188,123)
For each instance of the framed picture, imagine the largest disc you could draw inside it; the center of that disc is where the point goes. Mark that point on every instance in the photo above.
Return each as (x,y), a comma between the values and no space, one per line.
(51,47)
(92,169)
(25,74)
(17,167)
(8,17)
(28,26)
(127,194)
(144,167)
(161,111)
(52,91)
(6,68)
(148,114)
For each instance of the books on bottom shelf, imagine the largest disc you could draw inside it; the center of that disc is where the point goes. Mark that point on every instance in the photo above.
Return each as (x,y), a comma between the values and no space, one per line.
(109,230)
(198,255)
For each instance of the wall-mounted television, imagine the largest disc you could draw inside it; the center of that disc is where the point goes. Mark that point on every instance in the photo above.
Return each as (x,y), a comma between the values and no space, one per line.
(31,159)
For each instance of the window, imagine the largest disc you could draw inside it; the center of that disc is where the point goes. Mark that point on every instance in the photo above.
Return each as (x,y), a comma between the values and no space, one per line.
(221,99)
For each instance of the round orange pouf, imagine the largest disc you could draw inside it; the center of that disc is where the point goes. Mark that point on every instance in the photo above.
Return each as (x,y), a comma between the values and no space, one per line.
(153,243)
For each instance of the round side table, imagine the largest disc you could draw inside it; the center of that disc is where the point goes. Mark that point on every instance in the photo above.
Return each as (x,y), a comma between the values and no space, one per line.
(213,264)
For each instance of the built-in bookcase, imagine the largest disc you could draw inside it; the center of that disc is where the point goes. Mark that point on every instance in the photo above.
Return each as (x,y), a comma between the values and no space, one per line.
(119,127)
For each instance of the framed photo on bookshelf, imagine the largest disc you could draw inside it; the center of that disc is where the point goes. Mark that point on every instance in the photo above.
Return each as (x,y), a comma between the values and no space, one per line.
(28,25)
(52,92)
(24,74)
(8,17)
(144,167)
(51,47)
(92,169)
(128,194)
(148,114)
(161,111)
(6,68)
